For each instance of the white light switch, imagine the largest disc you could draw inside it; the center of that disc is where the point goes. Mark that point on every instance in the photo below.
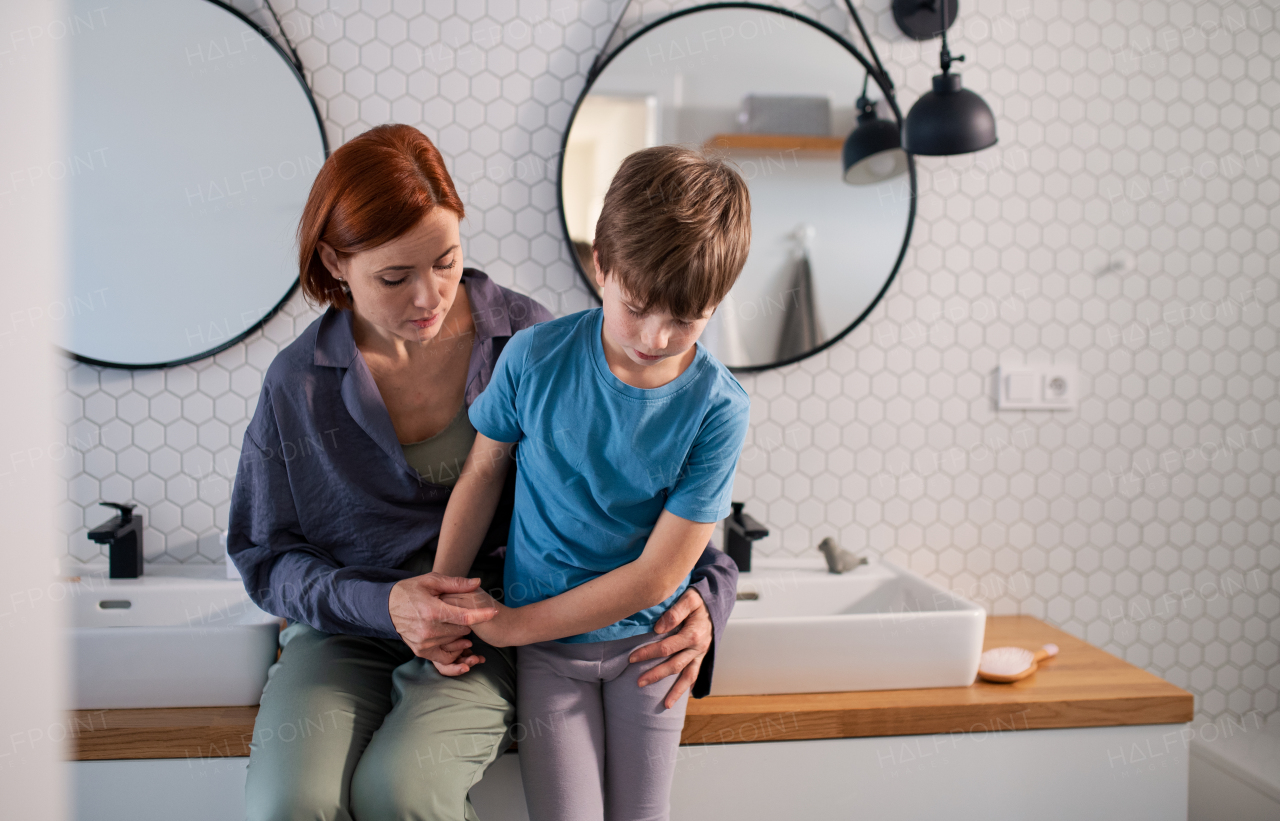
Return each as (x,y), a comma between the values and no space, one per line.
(1036,387)
(1022,386)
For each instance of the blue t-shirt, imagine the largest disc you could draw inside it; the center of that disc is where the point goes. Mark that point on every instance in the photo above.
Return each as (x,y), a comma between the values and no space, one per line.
(600,460)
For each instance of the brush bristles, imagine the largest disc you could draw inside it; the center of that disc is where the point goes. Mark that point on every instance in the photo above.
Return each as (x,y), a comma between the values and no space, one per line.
(1005,661)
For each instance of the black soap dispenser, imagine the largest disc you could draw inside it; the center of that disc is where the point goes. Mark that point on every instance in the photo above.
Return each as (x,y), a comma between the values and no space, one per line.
(123,537)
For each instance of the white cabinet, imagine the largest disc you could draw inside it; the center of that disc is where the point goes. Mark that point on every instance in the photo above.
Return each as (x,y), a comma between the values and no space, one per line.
(985,774)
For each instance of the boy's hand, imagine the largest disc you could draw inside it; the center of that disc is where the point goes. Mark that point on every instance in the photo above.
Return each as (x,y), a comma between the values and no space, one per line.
(475,600)
(495,631)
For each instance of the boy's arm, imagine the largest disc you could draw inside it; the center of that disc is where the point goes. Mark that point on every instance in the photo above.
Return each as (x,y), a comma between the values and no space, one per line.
(471,506)
(673,547)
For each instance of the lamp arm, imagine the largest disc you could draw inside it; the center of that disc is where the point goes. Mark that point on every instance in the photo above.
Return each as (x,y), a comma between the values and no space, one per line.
(881,75)
(945,58)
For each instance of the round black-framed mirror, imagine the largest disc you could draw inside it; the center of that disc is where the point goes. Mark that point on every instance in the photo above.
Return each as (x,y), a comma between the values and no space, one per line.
(799,274)
(194,143)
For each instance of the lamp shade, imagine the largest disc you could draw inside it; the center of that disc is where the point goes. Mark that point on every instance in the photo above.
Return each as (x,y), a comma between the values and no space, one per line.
(873,151)
(949,120)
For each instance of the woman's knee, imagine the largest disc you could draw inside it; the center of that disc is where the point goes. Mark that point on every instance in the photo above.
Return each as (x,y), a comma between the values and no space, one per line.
(425,772)
(284,801)
(411,791)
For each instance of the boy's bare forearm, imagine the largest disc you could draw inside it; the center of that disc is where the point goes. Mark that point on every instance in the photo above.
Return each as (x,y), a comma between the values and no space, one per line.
(669,556)
(591,606)
(471,507)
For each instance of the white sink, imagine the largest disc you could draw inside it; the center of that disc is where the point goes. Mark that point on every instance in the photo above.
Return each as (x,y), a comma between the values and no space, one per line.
(877,627)
(180,636)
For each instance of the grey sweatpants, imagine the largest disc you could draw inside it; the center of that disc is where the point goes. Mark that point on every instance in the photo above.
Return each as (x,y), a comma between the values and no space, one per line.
(593,744)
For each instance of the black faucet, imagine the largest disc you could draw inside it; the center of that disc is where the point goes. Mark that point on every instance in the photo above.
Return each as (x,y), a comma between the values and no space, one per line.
(123,537)
(740,530)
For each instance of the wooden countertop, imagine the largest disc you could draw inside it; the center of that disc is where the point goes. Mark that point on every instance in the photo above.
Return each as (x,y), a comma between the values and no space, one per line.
(1082,687)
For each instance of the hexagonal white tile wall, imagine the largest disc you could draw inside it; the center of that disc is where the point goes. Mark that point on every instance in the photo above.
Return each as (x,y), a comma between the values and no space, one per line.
(1147,521)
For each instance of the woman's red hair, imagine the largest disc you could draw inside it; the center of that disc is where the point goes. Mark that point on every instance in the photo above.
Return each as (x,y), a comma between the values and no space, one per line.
(370,191)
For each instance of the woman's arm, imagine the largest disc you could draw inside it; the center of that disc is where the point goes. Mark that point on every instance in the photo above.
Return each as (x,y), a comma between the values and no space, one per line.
(287,576)
(471,505)
(673,547)
(283,572)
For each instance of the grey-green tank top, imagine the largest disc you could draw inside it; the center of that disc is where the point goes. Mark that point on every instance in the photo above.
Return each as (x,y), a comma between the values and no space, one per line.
(439,459)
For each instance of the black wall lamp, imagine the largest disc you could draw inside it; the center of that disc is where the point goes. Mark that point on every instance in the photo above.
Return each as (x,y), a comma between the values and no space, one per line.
(946,121)
(950,119)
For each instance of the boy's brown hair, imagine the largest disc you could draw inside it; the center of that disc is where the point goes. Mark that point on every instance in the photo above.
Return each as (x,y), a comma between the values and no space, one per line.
(675,229)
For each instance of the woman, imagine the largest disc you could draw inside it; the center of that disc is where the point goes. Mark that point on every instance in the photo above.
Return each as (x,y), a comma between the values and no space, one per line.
(347,465)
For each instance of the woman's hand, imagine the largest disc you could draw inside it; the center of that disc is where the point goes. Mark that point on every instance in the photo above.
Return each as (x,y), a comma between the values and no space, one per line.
(433,628)
(686,649)
(452,659)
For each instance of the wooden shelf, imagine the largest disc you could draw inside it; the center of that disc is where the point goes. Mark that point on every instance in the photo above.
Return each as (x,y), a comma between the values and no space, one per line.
(776,142)
(1082,687)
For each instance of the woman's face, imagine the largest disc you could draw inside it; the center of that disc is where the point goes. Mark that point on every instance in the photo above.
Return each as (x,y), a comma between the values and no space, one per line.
(404,288)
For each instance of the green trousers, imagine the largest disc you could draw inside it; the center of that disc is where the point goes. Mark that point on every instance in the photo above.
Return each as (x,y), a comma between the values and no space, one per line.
(361,728)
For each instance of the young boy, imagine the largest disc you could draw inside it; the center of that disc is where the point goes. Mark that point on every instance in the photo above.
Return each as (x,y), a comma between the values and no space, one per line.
(629,433)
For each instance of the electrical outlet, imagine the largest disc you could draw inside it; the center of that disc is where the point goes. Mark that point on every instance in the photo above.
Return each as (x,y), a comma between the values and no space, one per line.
(1060,387)
(1036,387)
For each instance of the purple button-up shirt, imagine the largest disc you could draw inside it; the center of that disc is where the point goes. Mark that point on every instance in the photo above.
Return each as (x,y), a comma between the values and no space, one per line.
(326,510)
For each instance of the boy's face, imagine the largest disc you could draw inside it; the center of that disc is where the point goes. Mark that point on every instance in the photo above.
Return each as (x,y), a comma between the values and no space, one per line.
(649,338)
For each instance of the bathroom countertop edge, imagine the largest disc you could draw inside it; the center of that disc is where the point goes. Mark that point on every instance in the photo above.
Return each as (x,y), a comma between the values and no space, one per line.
(1083,687)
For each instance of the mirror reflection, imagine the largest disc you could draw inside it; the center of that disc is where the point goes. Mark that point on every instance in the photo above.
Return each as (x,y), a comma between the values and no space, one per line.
(194,143)
(776,95)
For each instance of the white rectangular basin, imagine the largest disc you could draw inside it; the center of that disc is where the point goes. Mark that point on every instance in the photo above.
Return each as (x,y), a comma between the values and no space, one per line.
(798,629)
(180,636)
